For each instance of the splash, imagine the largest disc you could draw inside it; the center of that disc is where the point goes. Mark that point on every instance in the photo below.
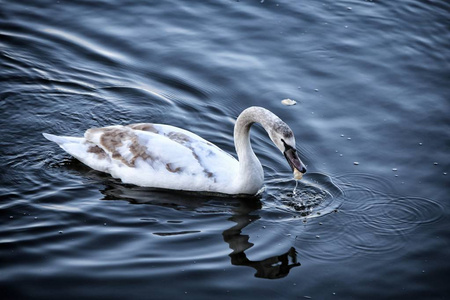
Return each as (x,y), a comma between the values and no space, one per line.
(314,196)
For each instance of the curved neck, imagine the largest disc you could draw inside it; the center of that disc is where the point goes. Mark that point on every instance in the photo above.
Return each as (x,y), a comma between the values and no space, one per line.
(251,175)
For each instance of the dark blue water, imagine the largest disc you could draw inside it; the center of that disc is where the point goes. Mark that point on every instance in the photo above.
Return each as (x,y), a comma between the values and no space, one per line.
(370,219)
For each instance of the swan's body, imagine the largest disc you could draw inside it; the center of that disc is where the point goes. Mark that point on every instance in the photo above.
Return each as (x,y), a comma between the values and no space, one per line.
(163,156)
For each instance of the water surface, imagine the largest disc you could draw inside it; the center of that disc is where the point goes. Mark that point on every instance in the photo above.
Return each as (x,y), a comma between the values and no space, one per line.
(371,122)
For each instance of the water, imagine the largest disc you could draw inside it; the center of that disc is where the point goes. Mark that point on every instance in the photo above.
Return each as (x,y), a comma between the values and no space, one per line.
(370,79)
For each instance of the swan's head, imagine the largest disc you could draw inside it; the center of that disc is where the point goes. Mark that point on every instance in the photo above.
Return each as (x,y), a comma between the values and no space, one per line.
(283,137)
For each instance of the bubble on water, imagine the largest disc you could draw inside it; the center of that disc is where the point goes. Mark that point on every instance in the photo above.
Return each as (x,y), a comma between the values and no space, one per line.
(435,163)
(394,169)
(356,163)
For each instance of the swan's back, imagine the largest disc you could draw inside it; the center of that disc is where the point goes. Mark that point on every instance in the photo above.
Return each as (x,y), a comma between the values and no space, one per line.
(154,155)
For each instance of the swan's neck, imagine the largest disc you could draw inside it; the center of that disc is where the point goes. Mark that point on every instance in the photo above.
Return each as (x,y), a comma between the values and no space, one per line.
(250,176)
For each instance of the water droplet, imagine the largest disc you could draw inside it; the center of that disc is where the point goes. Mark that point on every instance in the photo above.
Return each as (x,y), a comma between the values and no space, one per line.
(11,217)
(394,169)
(349,8)
(342,135)
(356,163)
(341,155)
(435,163)
(60,232)
(316,90)
(349,138)
(104,224)
(264,227)
(445,173)
(420,144)
(317,236)
(320,223)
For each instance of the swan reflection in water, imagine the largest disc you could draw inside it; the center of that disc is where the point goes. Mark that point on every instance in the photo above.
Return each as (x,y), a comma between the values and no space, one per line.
(273,267)
(243,210)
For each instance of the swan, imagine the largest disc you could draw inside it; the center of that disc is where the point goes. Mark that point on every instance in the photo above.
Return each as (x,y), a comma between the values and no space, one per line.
(168,157)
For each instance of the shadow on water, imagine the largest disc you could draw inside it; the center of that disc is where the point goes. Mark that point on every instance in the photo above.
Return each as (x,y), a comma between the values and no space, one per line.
(243,212)
(273,267)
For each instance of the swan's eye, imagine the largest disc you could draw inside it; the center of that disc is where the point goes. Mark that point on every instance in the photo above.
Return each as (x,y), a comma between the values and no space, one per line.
(287,147)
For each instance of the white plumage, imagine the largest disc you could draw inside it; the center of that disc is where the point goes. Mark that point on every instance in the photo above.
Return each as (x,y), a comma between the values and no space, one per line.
(164,156)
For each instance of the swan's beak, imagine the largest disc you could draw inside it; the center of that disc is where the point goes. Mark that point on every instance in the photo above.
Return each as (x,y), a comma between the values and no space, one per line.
(296,164)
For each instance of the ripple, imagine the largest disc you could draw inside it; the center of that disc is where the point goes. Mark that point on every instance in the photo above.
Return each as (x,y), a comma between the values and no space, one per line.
(399,215)
(314,196)
(176,233)
(373,220)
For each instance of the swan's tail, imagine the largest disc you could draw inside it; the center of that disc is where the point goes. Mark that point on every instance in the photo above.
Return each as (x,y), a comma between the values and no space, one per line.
(61,140)
(75,146)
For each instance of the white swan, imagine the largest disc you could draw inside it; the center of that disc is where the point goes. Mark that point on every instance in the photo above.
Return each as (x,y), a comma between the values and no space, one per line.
(163,156)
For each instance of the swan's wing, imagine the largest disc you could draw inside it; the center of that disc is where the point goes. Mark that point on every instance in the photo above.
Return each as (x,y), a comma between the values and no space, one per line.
(153,155)
(160,156)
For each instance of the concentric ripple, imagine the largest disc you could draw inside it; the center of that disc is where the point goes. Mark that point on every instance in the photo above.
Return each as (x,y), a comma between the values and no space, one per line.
(373,220)
(373,202)
(316,195)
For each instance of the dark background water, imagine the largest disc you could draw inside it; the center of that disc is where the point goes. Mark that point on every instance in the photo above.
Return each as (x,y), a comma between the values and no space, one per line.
(371,81)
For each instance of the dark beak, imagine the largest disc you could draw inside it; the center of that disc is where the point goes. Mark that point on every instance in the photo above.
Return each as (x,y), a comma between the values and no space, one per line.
(293,160)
